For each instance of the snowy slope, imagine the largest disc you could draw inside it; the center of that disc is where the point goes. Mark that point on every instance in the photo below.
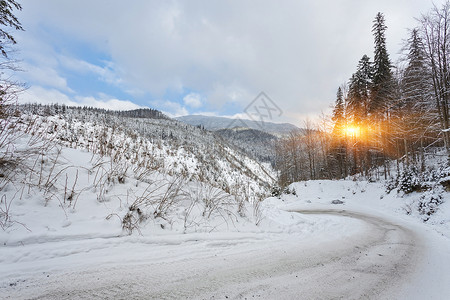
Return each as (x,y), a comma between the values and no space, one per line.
(127,175)
(164,145)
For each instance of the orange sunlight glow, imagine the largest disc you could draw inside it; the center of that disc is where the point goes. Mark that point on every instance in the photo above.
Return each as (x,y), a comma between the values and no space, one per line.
(352,131)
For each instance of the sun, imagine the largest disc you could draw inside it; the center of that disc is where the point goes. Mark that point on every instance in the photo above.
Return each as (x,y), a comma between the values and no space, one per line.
(352,130)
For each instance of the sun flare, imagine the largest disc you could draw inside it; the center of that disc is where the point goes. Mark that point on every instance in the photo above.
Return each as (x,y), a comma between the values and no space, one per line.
(352,130)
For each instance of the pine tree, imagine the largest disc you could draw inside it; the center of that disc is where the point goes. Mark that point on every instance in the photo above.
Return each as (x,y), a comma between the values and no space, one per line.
(416,79)
(359,91)
(7,19)
(410,115)
(382,87)
(338,117)
(339,151)
(417,85)
(382,94)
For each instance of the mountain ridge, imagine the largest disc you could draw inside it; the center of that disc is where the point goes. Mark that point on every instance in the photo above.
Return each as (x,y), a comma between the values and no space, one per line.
(214,123)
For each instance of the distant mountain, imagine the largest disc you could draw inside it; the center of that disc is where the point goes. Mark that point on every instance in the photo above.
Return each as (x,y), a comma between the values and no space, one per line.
(256,143)
(217,123)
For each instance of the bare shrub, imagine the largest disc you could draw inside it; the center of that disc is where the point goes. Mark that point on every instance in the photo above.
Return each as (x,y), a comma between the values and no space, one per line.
(169,198)
(107,173)
(214,200)
(241,195)
(30,159)
(156,201)
(210,201)
(6,219)
(257,212)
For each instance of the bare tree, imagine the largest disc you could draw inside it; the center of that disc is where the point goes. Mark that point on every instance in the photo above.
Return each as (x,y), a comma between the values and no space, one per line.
(435,32)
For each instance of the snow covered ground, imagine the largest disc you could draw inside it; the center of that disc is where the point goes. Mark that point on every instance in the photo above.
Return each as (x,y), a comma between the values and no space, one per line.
(76,225)
(430,275)
(304,248)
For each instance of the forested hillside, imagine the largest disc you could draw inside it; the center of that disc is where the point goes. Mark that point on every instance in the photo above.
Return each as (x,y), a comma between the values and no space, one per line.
(389,121)
(148,164)
(257,144)
(148,138)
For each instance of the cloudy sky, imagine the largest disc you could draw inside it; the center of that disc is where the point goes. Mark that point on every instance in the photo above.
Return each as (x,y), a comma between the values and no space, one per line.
(201,57)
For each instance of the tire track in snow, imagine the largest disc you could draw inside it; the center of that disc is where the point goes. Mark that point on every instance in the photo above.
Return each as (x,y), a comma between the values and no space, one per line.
(372,264)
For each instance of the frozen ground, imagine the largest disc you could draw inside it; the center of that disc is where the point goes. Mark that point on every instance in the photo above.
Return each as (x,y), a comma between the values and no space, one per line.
(305,248)
(341,255)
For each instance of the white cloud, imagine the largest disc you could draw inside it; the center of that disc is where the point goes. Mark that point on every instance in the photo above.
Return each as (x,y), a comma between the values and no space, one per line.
(111,104)
(171,109)
(207,113)
(40,65)
(107,73)
(193,100)
(229,51)
(45,76)
(38,94)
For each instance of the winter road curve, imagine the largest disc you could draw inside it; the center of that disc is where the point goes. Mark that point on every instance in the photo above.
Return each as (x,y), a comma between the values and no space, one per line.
(373,263)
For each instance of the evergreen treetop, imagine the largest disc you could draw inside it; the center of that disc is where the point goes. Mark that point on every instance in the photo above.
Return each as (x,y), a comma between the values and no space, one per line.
(359,90)
(382,74)
(7,19)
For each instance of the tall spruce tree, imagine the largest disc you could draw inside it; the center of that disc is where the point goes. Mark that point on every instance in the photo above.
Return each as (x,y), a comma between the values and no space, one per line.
(417,102)
(382,94)
(359,91)
(416,78)
(338,150)
(338,112)
(411,115)
(383,83)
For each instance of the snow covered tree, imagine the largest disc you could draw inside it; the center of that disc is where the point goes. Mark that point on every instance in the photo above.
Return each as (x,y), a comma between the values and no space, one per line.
(435,32)
(358,109)
(339,111)
(383,92)
(382,87)
(338,149)
(359,91)
(416,79)
(414,117)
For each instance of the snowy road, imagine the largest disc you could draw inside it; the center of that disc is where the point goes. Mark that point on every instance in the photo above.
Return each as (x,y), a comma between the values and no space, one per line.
(373,262)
